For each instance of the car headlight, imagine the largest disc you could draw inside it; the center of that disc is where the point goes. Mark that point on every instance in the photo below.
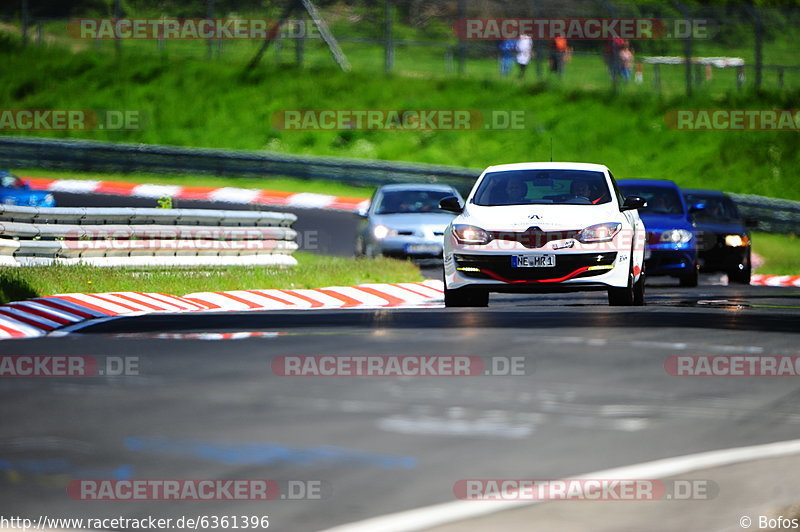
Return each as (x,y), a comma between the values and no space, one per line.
(736,241)
(469,234)
(599,232)
(381,231)
(676,236)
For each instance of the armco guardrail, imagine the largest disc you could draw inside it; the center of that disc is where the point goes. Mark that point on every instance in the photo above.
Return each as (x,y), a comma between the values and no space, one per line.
(31,236)
(93,156)
(774,215)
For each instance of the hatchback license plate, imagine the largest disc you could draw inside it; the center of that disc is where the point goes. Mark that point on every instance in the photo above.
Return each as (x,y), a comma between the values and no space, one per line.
(533,261)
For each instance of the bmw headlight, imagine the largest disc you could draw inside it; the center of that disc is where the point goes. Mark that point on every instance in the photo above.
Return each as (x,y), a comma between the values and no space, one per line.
(599,232)
(469,234)
(736,241)
(381,231)
(676,236)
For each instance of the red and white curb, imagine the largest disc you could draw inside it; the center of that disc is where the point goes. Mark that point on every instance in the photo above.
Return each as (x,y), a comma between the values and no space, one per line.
(43,315)
(775,280)
(247,196)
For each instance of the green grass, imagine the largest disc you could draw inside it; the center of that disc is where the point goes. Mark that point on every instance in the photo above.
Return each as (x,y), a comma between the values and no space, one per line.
(209,103)
(282,184)
(781,253)
(313,271)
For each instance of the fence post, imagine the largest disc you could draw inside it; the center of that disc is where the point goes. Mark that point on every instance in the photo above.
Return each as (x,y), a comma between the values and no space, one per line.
(299,49)
(460,49)
(739,77)
(210,42)
(388,43)
(657,77)
(117,16)
(25,21)
(780,78)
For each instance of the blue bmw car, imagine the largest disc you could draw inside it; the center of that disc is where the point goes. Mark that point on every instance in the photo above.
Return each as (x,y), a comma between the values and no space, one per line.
(15,191)
(671,235)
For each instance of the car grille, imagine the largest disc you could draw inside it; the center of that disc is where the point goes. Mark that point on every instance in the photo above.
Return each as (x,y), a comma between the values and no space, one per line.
(533,237)
(500,265)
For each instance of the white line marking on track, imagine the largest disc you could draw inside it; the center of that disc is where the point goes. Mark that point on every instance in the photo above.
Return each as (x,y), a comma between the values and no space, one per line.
(450,512)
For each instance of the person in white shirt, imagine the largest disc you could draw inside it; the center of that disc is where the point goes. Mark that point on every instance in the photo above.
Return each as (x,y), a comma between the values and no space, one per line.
(524,53)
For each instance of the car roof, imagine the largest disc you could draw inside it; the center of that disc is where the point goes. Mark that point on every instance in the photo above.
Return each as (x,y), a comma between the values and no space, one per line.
(663,183)
(704,192)
(547,166)
(417,186)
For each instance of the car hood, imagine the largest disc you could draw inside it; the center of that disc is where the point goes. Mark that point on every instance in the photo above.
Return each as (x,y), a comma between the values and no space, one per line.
(726,228)
(665,222)
(416,219)
(546,217)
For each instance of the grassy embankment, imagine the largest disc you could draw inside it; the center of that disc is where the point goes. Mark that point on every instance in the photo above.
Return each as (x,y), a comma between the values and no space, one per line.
(313,271)
(187,101)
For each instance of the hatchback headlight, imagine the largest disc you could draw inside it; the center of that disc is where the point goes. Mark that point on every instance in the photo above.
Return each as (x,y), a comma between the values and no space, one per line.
(600,232)
(381,231)
(676,236)
(469,234)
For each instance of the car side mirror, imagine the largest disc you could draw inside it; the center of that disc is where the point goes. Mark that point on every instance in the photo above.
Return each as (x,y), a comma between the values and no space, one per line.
(751,222)
(361,212)
(451,204)
(633,202)
(697,207)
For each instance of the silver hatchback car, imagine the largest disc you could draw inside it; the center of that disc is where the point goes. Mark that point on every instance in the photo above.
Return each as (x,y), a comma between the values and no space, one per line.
(405,221)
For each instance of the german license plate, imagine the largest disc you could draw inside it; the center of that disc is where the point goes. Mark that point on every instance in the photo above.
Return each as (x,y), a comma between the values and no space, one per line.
(533,261)
(423,249)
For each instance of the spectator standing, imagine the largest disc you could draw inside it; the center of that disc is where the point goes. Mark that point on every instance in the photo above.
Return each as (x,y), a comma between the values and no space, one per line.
(626,62)
(524,53)
(559,53)
(507,49)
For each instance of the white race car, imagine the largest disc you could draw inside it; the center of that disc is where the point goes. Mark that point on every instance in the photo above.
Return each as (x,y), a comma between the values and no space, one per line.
(544,227)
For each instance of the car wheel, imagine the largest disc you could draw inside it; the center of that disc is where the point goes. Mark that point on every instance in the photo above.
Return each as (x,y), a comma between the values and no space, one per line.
(466,297)
(360,247)
(622,297)
(741,275)
(691,278)
(638,292)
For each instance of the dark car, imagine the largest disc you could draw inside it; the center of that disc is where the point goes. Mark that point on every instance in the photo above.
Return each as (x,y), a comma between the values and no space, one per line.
(723,237)
(671,234)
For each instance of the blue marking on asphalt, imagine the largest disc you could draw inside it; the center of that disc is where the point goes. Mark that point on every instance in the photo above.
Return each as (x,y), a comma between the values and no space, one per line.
(266,453)
(55,466)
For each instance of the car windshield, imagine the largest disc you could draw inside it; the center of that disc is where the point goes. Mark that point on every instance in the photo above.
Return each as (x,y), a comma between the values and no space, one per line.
(718,208)
(660,200)
(534,187)
(410,201)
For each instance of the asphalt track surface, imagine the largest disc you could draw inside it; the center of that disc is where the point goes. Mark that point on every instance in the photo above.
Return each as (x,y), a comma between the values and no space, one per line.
(595,395)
